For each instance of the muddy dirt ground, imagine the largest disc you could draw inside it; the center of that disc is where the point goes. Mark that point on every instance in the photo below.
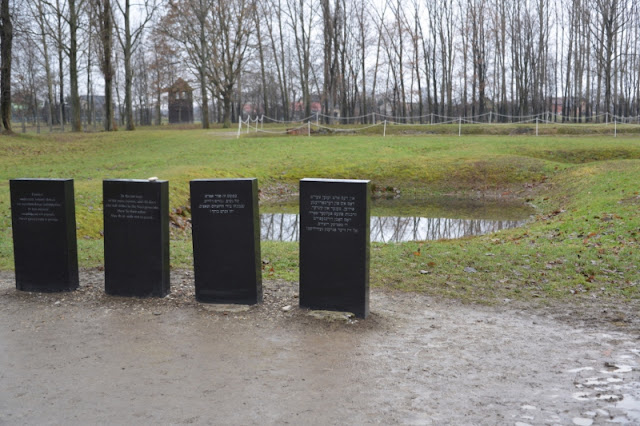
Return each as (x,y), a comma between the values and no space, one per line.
(88,358)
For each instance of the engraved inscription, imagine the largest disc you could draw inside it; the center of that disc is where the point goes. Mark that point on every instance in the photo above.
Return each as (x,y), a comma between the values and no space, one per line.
(131,206)
(221,203)
(38,207)
(333,213)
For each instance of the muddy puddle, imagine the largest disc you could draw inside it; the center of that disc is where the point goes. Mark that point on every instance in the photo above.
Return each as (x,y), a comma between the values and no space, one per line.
(400,219)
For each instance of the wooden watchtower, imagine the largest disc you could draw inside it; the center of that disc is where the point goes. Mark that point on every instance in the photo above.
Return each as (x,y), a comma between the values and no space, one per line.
(180,102)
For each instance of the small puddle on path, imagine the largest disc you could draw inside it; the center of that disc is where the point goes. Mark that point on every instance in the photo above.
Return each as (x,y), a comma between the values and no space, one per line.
(400,220)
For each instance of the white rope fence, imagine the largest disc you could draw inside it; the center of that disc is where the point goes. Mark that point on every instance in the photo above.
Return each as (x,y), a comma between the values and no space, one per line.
(305,125)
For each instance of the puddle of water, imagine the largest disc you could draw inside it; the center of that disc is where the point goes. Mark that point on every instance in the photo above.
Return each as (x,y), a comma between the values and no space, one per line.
(451,207)
(577,370)
(400,219)
(614,369)
(386,229)
(430,206)
(631,406)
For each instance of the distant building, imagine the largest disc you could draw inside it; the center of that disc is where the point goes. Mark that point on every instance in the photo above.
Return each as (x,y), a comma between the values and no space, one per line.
(180,102)
(576,107)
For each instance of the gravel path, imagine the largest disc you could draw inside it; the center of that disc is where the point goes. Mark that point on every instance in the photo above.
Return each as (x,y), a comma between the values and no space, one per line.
(88,358)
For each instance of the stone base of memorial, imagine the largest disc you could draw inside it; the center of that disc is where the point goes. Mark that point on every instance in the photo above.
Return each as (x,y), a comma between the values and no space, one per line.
(44,234)
(334,245)
(136,237)
(226,241)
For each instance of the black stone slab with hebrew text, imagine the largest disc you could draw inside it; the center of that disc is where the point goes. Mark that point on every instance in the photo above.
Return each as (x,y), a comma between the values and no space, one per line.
(226,240)
(334,245)
(136,237)
(44,234)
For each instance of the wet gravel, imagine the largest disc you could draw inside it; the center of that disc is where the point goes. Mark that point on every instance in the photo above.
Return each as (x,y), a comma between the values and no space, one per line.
(86,357)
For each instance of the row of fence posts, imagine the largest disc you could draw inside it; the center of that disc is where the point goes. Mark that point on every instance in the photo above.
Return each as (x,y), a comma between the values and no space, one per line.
(615,127)
(261,120)
(384,132)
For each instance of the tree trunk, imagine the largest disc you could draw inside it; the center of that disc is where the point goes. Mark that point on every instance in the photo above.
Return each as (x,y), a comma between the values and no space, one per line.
(76,124)
(47,64)
(205,99)
(107,65)
(63,114)
(6,45)
(226,104)
(203,79)
(263,77)
(128,70)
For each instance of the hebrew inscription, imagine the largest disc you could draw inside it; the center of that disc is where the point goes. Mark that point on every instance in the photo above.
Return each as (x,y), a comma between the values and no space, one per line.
(332,213)
(221,203)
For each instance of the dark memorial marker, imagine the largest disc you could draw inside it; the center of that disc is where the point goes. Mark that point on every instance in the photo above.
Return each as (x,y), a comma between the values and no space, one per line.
(334,245)
(226,240)
(136,237)
(44,234)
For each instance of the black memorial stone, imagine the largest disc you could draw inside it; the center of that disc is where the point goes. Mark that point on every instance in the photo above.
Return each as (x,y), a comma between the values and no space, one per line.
(136,237)
(44,234)
(226,240)
(334,245)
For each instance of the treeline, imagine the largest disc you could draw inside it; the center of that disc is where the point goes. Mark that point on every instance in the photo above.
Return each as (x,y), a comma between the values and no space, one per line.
(286,59)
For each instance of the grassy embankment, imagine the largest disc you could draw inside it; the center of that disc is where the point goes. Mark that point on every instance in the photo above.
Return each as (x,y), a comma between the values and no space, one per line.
(583,239)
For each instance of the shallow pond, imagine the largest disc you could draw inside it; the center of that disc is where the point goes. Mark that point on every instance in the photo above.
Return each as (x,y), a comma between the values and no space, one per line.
(398,220)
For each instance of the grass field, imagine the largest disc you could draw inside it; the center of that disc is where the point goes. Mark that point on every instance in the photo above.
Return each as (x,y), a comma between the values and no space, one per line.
(583,239)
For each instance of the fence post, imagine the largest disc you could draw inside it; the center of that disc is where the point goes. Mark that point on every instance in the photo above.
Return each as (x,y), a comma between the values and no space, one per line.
(490,117)
(384,133)
(536,126)
(459,126)
(239,127)
(615,128)
(309,128)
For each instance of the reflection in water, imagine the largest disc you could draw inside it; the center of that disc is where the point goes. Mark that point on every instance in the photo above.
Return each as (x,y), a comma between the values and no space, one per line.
(286,227)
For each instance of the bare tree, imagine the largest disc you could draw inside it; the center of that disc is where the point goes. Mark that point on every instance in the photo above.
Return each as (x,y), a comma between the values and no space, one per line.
(73,20)
(101,9)
(231,21)
(129,40)
(69,13)
(6,45)
(38,13)
(162,67)
(395,45)
(189,22)
(301,15)
(362,39)
(477,12)
(272,13)
(608,20)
